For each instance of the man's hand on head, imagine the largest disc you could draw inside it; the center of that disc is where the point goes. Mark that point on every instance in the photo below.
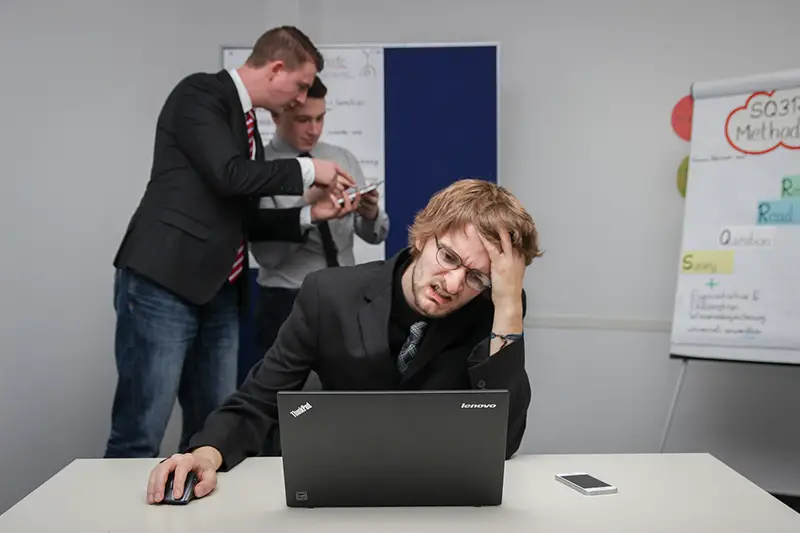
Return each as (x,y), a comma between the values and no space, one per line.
(508,272)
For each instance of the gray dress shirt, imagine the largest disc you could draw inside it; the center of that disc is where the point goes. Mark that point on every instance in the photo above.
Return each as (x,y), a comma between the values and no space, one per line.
(286,264)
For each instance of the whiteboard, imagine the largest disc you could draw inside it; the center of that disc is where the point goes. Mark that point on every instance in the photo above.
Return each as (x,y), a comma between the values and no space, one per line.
(738,291)
(354,117)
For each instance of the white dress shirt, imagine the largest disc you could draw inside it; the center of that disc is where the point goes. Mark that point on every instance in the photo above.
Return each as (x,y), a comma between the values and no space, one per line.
(306,165)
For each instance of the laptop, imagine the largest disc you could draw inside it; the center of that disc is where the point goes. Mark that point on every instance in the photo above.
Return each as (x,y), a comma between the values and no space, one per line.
(393,448)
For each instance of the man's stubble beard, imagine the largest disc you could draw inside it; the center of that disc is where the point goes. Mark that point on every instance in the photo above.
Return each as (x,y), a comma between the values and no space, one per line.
(417,292)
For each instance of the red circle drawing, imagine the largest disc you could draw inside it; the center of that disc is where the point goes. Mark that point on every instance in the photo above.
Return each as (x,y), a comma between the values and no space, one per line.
(682,118)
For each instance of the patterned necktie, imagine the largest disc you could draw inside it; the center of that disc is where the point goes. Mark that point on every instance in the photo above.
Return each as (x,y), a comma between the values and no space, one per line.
(250,122)
(328,246)
(409,349)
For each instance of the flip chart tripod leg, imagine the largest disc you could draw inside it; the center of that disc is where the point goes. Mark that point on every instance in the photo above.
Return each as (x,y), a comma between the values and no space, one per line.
(678,386)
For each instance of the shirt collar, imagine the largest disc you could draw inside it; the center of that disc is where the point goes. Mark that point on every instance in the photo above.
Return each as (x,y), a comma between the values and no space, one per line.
(244,96)
(282,146)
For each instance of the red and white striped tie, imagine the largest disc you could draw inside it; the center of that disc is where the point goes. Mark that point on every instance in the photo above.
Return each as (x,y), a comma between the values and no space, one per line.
(238,265)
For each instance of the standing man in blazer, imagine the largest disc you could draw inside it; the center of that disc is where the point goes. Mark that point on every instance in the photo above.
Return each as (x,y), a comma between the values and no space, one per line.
(444,314)
(182,264)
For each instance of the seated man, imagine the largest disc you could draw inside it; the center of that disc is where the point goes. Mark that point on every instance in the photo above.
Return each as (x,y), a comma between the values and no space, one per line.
(444,314)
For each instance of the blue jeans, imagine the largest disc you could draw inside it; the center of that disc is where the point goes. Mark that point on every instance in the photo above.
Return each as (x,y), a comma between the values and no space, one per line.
(168,348)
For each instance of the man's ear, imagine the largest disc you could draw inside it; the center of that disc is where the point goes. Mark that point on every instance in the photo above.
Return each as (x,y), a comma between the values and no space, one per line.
(275,67)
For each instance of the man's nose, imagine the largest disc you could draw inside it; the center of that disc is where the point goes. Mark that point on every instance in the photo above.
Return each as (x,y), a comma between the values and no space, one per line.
(454,280)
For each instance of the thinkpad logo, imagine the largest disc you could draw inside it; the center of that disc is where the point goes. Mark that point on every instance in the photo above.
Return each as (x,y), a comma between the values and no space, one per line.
(300,410)
(478,405)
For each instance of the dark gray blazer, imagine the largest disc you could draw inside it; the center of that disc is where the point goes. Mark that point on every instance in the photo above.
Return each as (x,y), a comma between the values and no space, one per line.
(202,197)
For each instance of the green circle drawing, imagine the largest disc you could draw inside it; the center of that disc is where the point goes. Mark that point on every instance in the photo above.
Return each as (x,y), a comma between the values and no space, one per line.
(683,175)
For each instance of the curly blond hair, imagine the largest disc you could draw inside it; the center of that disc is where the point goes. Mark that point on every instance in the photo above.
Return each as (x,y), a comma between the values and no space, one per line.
(484,204)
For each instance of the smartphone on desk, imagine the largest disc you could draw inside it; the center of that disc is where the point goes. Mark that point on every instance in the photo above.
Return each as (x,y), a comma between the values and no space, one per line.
(364,190)
(586,484)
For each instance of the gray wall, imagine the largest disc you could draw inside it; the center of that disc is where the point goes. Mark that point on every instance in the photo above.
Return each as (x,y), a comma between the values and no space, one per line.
(587,90)
(586,97)
(82,84)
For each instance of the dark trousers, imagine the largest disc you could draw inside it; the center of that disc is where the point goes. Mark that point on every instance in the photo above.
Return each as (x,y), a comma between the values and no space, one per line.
(167,348)
(272,307)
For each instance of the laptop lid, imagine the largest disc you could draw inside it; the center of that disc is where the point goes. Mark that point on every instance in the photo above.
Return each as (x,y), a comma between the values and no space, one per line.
(393,448)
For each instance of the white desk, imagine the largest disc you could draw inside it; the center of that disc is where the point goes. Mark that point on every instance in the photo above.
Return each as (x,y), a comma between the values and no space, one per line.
(657,493)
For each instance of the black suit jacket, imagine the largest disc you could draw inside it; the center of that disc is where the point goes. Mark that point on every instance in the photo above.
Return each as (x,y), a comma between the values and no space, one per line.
(339,328)
(202,197)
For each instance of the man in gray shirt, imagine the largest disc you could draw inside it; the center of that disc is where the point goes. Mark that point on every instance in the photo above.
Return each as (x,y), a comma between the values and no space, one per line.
(284,265)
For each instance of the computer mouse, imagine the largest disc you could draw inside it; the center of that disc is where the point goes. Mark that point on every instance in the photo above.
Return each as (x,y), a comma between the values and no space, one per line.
(188,490)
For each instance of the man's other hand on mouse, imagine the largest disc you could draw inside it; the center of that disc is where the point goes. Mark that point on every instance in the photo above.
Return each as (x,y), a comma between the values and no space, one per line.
(202,461)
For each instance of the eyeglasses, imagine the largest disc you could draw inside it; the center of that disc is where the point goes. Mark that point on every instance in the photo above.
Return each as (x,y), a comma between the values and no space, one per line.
(450,260)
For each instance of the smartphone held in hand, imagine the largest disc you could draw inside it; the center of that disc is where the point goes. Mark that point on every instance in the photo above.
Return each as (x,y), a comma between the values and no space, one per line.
(364,190)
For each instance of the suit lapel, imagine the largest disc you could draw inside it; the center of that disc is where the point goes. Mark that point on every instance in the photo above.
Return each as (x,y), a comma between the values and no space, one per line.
(373,319)
(259,143)
(373,316)
(237,113)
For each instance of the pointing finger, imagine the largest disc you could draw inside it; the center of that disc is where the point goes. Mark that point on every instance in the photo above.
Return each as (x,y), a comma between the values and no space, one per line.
(340,184)
(348,179)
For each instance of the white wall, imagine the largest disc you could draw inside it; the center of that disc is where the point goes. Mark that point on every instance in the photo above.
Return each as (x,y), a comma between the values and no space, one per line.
(82,85)
(587,90)
(586,97)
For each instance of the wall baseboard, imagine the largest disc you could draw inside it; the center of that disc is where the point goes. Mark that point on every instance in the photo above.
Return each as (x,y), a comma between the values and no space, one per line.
(597,323)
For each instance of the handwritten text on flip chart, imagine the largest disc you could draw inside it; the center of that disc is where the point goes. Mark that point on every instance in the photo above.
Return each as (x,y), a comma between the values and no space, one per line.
(707,262)
(766,121)
(732,313)
(790,187)
(779,212)
(746,236)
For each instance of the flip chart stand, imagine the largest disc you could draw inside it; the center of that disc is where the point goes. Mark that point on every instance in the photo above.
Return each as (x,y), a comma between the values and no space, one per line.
(671,414)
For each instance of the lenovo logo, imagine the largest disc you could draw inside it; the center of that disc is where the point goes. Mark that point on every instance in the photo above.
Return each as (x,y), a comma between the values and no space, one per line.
(300,410)
(478,405)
